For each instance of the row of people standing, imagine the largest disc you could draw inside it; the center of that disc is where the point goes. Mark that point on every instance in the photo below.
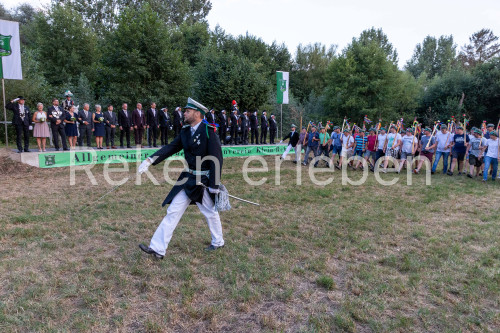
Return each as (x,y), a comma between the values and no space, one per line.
(245,125)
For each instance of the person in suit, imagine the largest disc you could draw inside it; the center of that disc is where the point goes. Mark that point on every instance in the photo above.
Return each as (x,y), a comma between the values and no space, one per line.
(21,119)
(245,123)
(197,141)
(139,122)
(210,116)
(56,117)
(99,126)
(86,125)
(110,121)
(153,124)
(68,102)
(234,127)
(254,128)
(125,123)
(223,123)
(178,120)
(263,128)
(293,143)
(273,127)
(164,119)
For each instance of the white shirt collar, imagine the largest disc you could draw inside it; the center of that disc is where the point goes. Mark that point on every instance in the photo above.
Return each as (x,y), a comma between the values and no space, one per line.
(195,127)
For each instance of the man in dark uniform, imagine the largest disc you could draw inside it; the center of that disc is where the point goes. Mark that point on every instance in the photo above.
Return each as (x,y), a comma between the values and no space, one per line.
(21,119)
(139,122)
(244,128)
(263,128)
(153,124)
(125,122)
(164,119)
(178,120)
(210,116)
(110,122)
(68,102)
(223,127)
(294,139)
(56,117)
(86,125)
(254,128)
(203,155)
(234,127)
(273,127)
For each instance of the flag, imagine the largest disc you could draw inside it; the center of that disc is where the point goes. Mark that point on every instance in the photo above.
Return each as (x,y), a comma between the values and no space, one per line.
(282,87)
(10,51)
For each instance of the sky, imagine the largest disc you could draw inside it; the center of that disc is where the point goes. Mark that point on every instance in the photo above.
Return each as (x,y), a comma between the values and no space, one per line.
(294,22)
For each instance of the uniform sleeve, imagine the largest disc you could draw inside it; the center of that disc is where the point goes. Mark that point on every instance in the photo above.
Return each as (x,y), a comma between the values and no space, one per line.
(166,151)
(214,150)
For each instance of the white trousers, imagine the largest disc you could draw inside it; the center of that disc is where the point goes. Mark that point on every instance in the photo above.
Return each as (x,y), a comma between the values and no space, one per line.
(298,148)
(163,234)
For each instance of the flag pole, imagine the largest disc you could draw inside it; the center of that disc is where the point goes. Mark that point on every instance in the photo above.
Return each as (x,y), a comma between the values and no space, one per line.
(281,119)
(4,112)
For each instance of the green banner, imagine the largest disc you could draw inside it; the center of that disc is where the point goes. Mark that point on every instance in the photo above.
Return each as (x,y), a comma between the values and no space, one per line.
(84,157)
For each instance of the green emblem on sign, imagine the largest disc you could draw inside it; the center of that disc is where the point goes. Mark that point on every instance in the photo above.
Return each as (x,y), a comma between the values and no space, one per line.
(5,49)
(50,160)
(283,85)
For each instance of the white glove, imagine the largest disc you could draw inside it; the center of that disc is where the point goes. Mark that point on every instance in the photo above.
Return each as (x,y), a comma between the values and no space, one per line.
(144,166)
(213,190)
(281,141)
(15,100)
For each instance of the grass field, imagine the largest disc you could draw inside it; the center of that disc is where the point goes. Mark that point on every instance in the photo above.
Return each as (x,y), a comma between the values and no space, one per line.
(310,259)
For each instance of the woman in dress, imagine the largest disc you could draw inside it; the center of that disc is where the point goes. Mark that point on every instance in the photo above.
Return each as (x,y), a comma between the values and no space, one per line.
(99,131)
(70,128)
(41,129)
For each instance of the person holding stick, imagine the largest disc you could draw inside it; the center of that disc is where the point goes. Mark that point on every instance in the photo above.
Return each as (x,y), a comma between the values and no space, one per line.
(348,144)
(475,153)
(442,147)
(392,144)
(425,152)
(459,149)
(312,145)
(198,184)
(491,156)
(408,146)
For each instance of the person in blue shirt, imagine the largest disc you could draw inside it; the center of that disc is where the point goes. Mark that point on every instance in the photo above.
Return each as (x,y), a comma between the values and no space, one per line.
(336,144)
(312,145)
(459,144)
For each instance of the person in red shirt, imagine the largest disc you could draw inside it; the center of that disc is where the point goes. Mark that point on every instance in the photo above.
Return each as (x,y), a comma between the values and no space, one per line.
(371,150)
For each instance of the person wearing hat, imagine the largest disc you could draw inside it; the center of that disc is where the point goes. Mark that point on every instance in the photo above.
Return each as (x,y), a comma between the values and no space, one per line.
(491,156)
(459,148)
(178,121)
(425,152)
(381,137)
(245,123)
(254,128)
(312,145)
(164,119)
(442,147)
(371,148)
(489,128)
(335,145)
(21,119)
(234,127)
(273,128)
(223,125)
(409,144)
(263,127)
(68,102)
(324,146)
(348,144)
(210,116)
(475,153)
(392,147)
(153,124)
(361,142)
(293,143)
(56,116)
(198,141)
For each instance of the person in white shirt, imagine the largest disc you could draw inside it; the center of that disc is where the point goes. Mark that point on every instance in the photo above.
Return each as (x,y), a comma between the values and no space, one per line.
(443,147)
(381,137)
(347,146)
(491,157)
(408,146)
(391,148)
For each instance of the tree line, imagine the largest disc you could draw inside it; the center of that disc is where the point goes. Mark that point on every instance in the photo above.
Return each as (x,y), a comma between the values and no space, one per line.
(115,51)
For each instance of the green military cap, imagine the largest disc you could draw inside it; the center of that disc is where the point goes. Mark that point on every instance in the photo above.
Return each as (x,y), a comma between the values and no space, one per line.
(494,133)
(194,105)
(478,131)
(460,128)
(490,125)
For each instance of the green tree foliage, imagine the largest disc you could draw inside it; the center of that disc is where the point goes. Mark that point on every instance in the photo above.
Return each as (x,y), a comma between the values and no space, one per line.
(63,43)
(432,57)
(482,48)
(140,64)
(309,70)
(224,76)
(190,39)
(364,80)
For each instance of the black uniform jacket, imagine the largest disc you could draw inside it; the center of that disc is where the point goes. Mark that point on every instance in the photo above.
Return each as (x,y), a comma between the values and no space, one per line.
(196,145)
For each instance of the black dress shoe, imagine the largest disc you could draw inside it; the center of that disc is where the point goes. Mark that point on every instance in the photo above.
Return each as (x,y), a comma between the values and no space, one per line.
(26,150)
(19,151)
(66,149)
(213,248)
(148,250)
